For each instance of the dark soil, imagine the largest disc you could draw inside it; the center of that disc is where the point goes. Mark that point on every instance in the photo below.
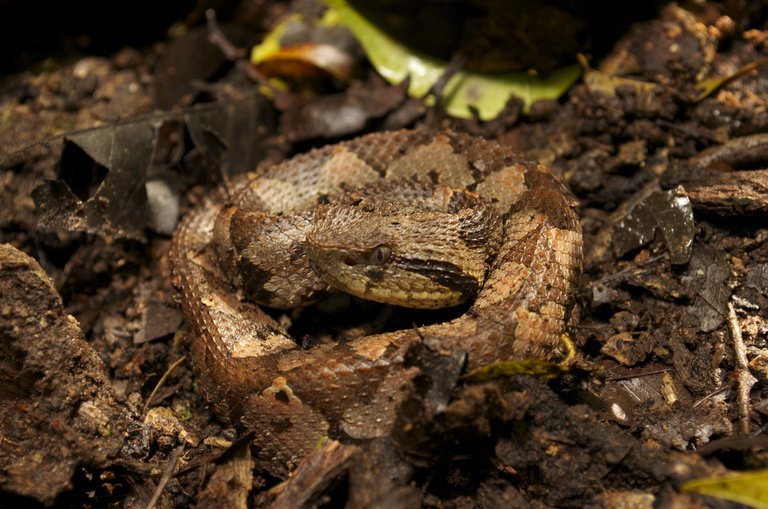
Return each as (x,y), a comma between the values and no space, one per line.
(98,405)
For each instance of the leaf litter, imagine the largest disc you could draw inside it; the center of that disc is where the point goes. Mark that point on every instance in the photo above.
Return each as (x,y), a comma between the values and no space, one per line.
(669,325)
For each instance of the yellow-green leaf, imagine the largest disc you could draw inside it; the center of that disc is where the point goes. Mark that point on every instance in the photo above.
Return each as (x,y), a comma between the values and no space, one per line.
(534,367)
(270,44)
(750,488)
(467,91)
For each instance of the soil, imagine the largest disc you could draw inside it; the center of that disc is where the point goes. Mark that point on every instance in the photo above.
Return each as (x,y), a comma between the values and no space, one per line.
(664,141)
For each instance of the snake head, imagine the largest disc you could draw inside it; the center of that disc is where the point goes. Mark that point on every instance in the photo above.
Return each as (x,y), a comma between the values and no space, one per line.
(398,253)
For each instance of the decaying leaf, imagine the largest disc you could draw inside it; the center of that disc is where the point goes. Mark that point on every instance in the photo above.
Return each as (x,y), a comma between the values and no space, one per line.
(709,273)
(228,133)
(119,205)
(628,348)
(231,482)
(189,59)
(635,223)
(109,183)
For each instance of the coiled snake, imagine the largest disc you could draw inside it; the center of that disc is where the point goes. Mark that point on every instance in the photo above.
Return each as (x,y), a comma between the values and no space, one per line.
(255,374)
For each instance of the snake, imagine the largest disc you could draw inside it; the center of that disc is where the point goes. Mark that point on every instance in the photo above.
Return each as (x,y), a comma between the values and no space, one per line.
(518,218)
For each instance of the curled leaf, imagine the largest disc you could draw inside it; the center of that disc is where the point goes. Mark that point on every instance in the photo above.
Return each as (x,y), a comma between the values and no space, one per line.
(304,59)
(307,60)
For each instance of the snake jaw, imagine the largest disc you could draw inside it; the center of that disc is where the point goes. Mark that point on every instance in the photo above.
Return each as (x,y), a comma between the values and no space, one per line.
(360,246)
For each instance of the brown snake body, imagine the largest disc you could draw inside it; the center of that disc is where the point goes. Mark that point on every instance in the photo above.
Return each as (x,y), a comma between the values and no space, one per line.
(255,374)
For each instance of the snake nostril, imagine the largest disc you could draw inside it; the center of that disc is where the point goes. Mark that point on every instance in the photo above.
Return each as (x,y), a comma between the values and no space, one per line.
(351,262)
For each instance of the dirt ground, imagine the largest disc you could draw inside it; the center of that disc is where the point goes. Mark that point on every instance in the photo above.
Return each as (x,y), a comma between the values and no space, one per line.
(664,141)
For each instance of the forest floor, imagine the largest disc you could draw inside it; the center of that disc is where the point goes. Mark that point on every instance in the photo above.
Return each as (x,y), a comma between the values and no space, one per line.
(664,141)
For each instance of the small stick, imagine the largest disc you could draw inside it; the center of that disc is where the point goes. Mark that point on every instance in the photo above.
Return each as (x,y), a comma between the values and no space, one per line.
(711,395)
(636,375)
(235,54)
(169,468)
(744,377)
(456,64)
(161,382)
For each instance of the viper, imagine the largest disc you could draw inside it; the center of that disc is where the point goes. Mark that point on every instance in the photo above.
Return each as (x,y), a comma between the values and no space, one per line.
(410,218)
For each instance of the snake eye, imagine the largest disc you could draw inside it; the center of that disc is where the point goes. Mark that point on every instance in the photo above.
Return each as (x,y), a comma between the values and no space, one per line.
(380,255)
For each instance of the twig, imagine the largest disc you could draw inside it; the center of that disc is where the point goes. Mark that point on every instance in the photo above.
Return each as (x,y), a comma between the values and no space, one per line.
(456,64)
(218,39)
(175,455)
(631,271)
(744,377)
(711,395)
(736,151)
(235,54)
(636,375)
(161,382)
(315,472)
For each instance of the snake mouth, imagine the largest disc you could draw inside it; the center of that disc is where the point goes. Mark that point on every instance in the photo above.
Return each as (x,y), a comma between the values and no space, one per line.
(444,274)
(378,275)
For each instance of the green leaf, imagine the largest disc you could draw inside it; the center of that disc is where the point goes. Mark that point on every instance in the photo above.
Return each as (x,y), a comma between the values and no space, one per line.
(750,488)
(466,91)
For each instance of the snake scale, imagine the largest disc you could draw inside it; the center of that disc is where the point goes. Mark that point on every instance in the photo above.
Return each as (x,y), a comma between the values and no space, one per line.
(256,375)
